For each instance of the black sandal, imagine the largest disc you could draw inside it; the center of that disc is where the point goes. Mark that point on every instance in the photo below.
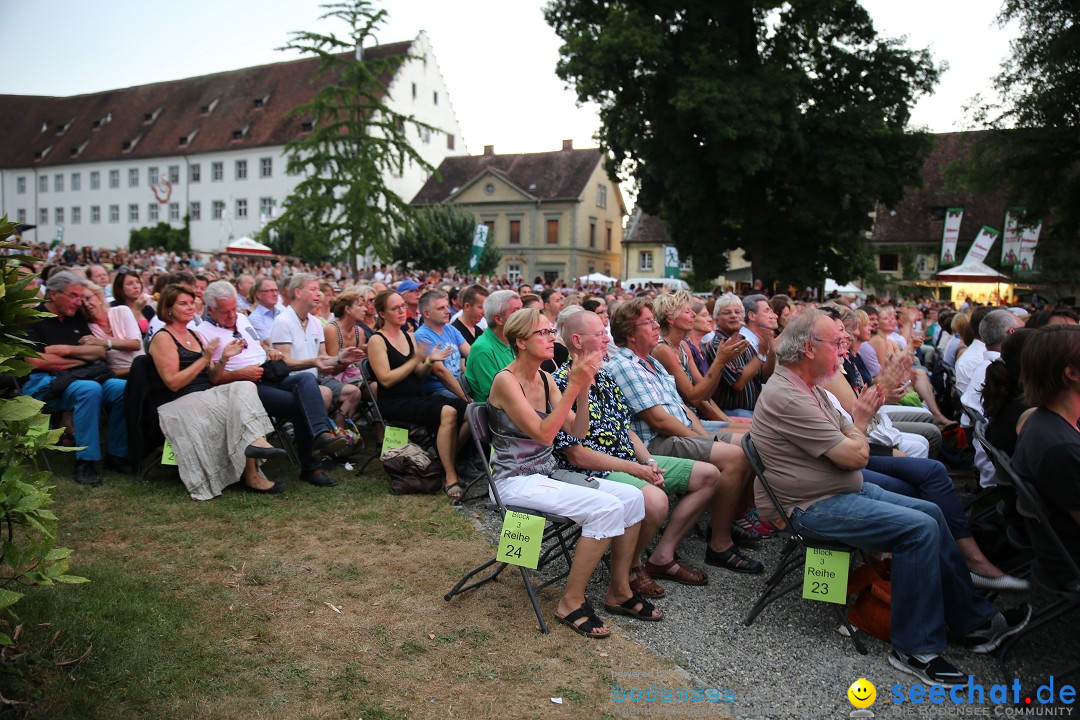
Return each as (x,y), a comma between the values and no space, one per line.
(587,628)
(732,559)
(628,609)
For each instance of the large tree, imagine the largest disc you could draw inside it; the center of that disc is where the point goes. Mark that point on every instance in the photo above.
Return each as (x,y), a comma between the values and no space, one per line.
(1033,147)
(770,126)
(442,237)
(342,207)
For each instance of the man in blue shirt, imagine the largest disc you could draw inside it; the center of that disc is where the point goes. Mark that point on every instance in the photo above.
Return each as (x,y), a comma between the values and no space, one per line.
(434,307)
(267,306)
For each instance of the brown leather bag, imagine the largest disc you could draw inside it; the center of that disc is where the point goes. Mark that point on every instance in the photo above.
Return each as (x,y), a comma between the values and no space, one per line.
(412,471)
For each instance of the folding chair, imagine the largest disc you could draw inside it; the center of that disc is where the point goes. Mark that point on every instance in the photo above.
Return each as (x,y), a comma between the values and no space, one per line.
(417,433)
(793,555)
(560,533)
(465,387)
(1044,537)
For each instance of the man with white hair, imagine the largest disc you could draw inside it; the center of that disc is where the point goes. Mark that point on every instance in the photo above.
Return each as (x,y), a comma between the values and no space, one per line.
(490,353)
(71,376)
(814,459)
(994,328)
(294,395)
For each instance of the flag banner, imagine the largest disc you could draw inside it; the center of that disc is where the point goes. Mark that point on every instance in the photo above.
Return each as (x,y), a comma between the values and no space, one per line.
(478,242)
(1010,239)
(983,242)
(1029,239)
(950,235)
(671,261)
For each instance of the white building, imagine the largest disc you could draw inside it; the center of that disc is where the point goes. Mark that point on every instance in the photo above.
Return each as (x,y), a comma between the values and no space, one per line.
(100,165)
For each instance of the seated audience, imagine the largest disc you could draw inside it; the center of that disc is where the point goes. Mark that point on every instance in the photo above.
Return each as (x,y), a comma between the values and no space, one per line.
(742,378)
(527,410)
(814,458)
(1003,394)
(266,305)
(1052,316)
(113,328)
(611,449)
(956,346)
(128,290)
(72,376)
(218,432)
(668,427)
(349,310)
(490,353)
(470,320)
(966,363)
(291,395)
(400,368)
(436,332)
(1048,449)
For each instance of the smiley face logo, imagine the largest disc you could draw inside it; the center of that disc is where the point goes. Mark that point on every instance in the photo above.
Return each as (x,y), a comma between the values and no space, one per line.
(862,693)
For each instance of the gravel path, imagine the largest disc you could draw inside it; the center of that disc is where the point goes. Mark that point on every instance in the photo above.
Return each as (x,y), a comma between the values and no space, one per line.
(792,662)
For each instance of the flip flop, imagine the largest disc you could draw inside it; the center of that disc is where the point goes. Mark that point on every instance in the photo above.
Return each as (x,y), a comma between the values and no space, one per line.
(454,495)
(628,609)
(587,628)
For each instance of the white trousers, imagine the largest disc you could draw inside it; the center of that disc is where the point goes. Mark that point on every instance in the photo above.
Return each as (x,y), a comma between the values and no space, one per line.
(602,513)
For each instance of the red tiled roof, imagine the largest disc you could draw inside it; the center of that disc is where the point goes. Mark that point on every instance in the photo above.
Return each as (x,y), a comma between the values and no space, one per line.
(557,175)
(30,124)
(919,216)
(646,228)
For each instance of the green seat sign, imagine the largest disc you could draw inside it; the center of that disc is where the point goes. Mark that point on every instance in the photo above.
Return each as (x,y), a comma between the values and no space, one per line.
(519,541)
(825,575)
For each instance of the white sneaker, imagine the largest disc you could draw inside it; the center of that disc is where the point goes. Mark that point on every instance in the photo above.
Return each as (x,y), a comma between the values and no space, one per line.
(1003,625)
(1005,583)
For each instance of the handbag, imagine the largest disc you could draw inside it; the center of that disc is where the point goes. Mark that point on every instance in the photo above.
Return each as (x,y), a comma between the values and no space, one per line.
(274,371)
(872,610)
(412,471)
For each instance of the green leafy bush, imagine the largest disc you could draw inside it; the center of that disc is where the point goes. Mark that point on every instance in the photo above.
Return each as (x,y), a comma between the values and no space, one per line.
(29,555)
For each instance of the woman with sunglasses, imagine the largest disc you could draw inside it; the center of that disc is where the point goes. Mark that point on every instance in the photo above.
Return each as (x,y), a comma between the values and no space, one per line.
(128,290)
(399,364)
(527,411)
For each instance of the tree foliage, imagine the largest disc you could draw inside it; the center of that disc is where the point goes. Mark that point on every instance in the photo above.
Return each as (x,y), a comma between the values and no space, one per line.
(28,552)
(151,237)
(342,207)
(442,238)
(1033,147)
(771,126)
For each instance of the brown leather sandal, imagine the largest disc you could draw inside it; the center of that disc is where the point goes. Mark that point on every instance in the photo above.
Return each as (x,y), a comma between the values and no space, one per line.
(684,575)
(644,585)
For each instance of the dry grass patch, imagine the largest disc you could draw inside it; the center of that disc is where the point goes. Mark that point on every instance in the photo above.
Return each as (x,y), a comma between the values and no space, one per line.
(326,603)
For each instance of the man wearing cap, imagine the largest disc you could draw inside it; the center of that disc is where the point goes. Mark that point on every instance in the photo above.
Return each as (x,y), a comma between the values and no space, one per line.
(410,293)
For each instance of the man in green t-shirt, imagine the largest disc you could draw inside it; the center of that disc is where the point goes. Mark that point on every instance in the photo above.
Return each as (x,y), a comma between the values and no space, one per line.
(490,353)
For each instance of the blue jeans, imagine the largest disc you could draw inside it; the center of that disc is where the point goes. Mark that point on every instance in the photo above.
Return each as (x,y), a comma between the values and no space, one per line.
(739,413)
(297,398)
(931,586)
(86,398)
(921,478)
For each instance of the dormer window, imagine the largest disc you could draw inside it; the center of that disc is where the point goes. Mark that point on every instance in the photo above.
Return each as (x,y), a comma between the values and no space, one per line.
(207,109)
(40,154)
(101,122)
(239,134)
(63,128)
(262,101)
(151,116)
(306,126)
(129,145)
(186,139)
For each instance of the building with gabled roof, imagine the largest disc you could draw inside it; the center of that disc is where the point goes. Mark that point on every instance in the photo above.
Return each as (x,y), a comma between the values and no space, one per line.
(101,164)
(554,215)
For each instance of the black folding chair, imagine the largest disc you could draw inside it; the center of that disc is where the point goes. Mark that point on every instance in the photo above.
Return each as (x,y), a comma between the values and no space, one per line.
(793,555)
(465,387)
(560,533)
(417,433)
(1047,545)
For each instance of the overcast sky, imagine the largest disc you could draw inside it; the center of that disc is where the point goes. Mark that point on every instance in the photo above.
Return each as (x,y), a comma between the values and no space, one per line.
(497,56)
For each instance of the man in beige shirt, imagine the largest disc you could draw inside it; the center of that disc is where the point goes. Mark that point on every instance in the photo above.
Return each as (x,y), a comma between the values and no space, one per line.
(813,458)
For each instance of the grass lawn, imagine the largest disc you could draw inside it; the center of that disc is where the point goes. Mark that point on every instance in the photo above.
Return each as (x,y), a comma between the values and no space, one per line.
(317,603)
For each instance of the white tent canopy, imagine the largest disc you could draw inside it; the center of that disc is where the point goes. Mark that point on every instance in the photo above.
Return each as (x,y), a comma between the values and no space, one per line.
(597,278)
(845,290)
(247,246)
(972,271)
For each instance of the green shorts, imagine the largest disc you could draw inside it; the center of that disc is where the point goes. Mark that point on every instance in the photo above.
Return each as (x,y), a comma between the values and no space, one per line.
(676,475)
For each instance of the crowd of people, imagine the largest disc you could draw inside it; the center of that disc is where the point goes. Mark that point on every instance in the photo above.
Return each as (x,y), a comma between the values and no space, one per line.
(647,395)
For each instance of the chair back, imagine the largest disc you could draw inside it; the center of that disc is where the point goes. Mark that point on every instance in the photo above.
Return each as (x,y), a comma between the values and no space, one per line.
(974,415)
(476,414)
(365,370)
(758,467)
(998,457)
(1044,538)
(465,387)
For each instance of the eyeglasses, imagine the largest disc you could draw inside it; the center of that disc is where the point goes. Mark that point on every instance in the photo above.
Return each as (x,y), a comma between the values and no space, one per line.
(838,344)
(545,333)
(598,334)
(647,323)
(267,290)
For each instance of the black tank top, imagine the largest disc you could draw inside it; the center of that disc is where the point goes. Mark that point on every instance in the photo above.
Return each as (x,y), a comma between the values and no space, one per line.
(201,381)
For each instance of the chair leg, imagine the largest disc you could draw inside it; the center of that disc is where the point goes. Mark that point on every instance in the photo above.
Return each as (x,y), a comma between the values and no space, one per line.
(460,588)
(532,598)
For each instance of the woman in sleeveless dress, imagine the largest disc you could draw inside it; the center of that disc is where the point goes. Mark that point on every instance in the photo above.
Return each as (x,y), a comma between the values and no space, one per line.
(527,411)
(218,432)
(399,365)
